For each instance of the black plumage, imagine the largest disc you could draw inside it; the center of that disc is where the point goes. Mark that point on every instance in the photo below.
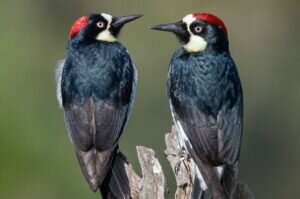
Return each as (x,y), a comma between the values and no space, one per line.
(206,94)
(206,101)
(96,88)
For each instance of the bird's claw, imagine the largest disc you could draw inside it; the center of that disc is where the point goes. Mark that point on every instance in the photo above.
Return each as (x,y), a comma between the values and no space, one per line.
(182,157)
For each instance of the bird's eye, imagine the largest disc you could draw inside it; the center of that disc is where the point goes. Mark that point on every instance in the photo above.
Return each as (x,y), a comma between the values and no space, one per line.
(100,24)
(198,29)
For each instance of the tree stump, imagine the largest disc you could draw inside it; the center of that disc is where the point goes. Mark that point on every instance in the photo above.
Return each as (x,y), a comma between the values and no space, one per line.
(123,182)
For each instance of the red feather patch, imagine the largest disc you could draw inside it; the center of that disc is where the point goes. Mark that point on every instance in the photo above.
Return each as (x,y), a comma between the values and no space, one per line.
(210,18)
(78,25)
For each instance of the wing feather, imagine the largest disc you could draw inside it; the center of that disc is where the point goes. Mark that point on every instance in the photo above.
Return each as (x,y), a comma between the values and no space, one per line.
(110,121)
(215,140)
(230,128)
(58,77)
(201,134)
(95,118)
(81,126)
(94,130)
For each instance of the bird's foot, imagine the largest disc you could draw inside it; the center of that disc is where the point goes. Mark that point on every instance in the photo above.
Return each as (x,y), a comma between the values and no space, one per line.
(182,158)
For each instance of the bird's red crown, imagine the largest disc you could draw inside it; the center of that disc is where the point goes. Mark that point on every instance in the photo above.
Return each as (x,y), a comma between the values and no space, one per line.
(210,18)
(78,25)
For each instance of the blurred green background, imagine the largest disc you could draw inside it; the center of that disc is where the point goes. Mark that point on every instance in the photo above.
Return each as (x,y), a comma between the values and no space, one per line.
(36,157)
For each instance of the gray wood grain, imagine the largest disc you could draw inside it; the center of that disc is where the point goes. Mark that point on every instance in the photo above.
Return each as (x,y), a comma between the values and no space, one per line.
(153,184)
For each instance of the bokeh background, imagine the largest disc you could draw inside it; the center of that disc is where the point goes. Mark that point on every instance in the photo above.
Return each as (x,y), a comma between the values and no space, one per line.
(36,157)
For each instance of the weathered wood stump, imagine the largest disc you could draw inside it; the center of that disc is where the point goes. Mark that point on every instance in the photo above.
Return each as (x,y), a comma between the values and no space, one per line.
(123,182)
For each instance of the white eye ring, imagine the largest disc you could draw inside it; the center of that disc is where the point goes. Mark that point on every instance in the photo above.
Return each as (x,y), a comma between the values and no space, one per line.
(198,29)
(100,24)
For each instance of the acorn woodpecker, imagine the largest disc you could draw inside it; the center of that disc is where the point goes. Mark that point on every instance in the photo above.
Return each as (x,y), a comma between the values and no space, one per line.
(96,86)
(206,102)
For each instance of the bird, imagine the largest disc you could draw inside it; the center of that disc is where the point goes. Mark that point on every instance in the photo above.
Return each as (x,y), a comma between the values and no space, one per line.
(206,100)
(96,85)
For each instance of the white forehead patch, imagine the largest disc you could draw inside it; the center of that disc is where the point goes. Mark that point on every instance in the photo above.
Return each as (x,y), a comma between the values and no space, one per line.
(196,43)
(188,19)
(106,35)
(107,17)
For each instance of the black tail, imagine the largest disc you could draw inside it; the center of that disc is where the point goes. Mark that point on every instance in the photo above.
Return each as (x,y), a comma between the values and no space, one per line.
(209,175)
(197,192)
(229,179)
(116,184)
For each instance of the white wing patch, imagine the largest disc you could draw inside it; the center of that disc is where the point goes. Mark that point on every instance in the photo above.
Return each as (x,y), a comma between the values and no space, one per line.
(58,76)
(182,138)
(197,174)
(220,170)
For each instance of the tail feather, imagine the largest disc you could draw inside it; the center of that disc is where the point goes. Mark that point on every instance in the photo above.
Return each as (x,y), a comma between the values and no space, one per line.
(206,195)
(210,176)
(116,183)
(94,165)
(228,180)
(197,191)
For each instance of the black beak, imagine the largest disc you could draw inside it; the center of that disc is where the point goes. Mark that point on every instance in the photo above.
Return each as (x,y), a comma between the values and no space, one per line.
(118,22)
(177,28)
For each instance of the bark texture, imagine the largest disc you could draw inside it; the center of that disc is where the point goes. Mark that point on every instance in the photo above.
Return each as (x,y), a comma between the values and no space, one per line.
(123,182)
